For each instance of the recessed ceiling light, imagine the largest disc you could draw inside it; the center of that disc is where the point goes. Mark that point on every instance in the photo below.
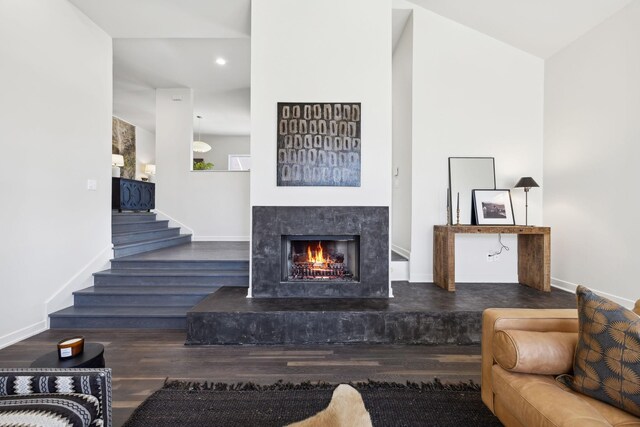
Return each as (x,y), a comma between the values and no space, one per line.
(221,61)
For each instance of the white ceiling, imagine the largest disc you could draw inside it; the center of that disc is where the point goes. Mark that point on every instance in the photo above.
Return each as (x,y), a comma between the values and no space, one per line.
(540,27)
(171,43)
(174,44)
(221,93)
(170,18)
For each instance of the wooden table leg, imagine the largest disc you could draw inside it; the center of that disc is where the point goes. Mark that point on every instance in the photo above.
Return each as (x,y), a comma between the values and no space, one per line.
(444,259)
(534,261)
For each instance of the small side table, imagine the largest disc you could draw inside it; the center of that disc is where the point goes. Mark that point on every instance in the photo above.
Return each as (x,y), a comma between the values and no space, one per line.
(91,357)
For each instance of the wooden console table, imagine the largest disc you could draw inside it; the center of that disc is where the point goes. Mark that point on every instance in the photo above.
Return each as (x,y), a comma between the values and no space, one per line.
(534,253)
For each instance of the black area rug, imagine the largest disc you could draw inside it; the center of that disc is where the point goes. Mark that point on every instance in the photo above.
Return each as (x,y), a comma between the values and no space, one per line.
(390,404)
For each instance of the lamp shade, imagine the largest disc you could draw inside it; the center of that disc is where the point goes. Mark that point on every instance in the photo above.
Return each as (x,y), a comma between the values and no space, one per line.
(150,169)
(526,182)
(117,160)
(201,147)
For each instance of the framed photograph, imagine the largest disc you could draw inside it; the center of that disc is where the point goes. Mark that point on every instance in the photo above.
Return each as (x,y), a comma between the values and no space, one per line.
(493,207)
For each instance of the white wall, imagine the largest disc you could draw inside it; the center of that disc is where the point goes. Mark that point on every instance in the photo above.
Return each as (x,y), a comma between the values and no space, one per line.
(145,150)
(472,96)
(324,51)
(55,121)
(591,157)
(213,206)
(222,146)
(402,141)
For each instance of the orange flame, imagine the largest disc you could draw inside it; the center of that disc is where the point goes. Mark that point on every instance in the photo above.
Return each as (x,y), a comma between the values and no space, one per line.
(318,256)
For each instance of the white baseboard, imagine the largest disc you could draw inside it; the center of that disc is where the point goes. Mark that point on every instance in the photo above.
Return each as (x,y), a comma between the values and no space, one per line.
(571,287)
(486,278)
(23,334)
(63,297)
(402,251)
(220,238)
(421,278)
(174,222)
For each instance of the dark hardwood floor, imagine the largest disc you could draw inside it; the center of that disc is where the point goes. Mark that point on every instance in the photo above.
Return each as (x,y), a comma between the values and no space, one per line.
(142,359)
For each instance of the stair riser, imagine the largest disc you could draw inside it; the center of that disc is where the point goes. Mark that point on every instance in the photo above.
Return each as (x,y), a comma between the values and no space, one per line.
(186,265)
(118,323)
(118,219)
(110,280)
(138,300)
(149,235)
(143,226)
(146,247)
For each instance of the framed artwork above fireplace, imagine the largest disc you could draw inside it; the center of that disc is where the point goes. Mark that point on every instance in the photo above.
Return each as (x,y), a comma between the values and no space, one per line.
(319,144)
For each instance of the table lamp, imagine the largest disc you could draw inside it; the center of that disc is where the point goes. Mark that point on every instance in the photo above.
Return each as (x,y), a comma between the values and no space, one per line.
(117,161)
(527,183)
(150,170)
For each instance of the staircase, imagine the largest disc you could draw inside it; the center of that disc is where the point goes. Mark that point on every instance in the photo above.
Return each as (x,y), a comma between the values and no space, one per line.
(154,278)
(134,233)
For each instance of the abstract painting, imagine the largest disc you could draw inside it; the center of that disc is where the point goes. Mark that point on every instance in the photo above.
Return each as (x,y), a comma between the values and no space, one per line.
(123,141)
(319,144)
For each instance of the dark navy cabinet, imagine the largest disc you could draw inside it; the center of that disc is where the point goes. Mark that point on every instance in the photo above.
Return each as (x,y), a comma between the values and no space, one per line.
(132,195)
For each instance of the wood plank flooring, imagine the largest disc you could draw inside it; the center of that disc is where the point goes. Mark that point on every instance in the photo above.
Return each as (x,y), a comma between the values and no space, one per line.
(141,360)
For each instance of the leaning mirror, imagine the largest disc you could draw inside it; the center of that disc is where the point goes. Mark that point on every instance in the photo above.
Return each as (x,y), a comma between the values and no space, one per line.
(467,174)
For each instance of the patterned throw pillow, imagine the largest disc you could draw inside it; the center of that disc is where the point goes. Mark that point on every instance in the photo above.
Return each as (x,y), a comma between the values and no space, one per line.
(607,359)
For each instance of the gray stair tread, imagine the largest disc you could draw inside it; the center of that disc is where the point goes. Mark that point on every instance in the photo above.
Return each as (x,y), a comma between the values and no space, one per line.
(151,221)
(136,272)
(132,215)
(146,290)
(115,212)
(128,233)
(124,311)
(175,263)
(205,251)
(146,242)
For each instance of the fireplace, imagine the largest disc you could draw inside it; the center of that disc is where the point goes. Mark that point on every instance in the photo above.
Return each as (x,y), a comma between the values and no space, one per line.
(320,258)
(320,252)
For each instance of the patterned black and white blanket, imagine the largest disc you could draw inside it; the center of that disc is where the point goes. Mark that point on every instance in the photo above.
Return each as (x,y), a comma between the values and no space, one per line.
(55,397)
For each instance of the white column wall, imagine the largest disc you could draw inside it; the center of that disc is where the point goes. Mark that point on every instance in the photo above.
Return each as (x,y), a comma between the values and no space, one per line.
(55,135)
(472,96)
(402,142)
(212,206)
(321,51)
(591,157)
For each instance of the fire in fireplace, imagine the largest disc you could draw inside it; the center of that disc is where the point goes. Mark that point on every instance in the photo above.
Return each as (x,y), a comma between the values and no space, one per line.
(321,258)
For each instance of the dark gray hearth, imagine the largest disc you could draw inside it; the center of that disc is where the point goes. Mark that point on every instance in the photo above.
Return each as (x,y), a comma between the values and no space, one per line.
(420,313)
(270,223)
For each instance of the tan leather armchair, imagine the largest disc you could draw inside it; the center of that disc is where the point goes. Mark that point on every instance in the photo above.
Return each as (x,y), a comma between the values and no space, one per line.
(526,393)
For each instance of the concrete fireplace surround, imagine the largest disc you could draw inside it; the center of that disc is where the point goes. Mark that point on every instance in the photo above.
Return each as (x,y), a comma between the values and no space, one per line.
(270,223)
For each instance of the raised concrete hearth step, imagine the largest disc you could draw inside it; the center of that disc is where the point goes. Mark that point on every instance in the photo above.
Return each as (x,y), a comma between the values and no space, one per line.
(154,296)
(419,313)
(120,217)
(167,277)
(149,245)
(108,317)
(129,226)
(139,236)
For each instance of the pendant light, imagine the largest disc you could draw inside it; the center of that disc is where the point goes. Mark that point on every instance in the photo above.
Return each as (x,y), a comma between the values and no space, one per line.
(199,146)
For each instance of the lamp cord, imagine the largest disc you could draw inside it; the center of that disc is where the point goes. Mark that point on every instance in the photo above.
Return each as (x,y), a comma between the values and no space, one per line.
(502,246)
